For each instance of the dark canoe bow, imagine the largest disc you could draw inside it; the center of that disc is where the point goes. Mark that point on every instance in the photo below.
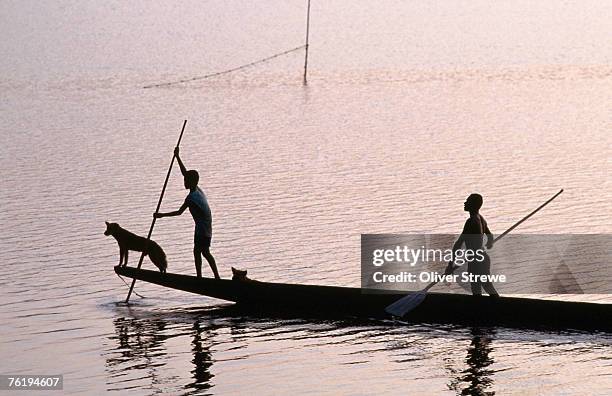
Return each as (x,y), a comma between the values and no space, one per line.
(337,302)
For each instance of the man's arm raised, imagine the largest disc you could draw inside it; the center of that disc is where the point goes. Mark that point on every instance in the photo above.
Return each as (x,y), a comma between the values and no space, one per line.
(178,159)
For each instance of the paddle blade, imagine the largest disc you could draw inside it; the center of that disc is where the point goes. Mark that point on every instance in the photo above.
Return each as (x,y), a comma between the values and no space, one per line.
(406,304)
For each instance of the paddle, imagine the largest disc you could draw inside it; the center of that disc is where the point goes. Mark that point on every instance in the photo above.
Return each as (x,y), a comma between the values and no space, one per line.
(409,302)
(161,196)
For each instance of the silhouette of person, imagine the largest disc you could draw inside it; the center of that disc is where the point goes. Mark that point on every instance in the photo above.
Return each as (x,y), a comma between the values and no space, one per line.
(472,235)
(200,211)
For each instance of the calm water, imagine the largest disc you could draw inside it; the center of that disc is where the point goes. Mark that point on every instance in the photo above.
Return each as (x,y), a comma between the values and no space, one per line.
(410,107)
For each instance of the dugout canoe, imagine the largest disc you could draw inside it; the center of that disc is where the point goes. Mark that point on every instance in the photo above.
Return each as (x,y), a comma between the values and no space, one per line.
(337,302)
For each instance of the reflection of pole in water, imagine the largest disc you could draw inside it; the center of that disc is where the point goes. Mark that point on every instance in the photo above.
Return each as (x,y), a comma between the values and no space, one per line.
(477,376)
(140,344)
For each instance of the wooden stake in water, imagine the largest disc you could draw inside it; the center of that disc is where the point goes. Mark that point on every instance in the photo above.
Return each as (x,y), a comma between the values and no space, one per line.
(161,197)
(306,46)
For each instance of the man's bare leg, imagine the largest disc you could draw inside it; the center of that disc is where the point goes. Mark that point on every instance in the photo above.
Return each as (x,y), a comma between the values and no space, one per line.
(198,261)
(474,269)
(486,270)
(211,261)
(490,289)
(476,288)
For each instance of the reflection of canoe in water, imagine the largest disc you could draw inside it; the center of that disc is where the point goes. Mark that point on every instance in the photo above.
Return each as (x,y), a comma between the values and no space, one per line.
(330,301)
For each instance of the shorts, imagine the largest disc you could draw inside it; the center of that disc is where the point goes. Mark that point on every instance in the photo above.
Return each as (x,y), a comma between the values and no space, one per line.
(200,239)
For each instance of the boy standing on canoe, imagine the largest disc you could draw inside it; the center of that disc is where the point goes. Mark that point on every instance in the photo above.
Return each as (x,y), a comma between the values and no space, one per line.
(200,211)
(473,230)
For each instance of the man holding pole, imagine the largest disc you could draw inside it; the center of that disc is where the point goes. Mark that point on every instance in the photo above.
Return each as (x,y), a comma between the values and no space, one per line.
(472,235)
(200,211)
(409,302)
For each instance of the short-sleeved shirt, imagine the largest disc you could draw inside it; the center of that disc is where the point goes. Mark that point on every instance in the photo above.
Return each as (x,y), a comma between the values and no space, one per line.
(200,211)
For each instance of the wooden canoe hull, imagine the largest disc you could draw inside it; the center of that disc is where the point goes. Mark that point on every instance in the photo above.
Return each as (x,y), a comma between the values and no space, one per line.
(337,302)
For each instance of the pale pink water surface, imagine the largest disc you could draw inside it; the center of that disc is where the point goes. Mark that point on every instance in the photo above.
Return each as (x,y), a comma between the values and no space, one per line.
(410,107)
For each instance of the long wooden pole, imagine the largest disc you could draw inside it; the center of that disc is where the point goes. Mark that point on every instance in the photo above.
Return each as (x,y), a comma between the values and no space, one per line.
(528,216)
(161,197)
(306,46)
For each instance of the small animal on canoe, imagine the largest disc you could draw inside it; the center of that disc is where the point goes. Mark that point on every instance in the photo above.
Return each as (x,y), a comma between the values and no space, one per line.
(128,241)
(240,275)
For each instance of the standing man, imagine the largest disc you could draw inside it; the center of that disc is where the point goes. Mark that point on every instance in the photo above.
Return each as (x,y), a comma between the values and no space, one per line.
(200,211)
(472,235)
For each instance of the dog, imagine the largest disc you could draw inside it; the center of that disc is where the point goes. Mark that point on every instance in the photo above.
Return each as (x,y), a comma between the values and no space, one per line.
(240,275)
(128,241)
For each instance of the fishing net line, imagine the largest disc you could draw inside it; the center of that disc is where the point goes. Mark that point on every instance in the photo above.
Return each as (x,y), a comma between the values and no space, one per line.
(220,73)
